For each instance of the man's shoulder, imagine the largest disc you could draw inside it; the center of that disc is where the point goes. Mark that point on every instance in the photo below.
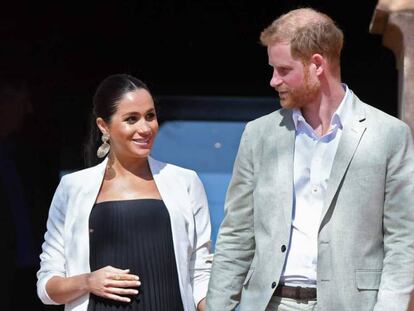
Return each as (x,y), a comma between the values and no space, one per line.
(275,117)
(377,117)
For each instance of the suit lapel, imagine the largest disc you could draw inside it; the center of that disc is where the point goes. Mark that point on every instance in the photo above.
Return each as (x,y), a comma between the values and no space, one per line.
(353,131)
(284,144)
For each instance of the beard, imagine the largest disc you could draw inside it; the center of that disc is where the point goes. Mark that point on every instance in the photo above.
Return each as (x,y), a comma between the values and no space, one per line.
(302,95)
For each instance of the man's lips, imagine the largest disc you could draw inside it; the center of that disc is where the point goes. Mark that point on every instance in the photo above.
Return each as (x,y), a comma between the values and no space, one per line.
(283,93)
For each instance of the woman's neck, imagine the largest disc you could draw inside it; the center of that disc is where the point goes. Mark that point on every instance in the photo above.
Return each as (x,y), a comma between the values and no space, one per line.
(124,167)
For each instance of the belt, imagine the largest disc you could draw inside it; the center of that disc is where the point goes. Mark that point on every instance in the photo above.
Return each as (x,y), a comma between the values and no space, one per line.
(295,292)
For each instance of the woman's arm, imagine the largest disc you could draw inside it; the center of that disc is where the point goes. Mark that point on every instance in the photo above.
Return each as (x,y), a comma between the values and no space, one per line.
(200,262)
(53,285)
(108,282)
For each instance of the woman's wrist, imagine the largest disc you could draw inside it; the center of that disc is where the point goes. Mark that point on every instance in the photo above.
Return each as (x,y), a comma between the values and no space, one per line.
(83,283)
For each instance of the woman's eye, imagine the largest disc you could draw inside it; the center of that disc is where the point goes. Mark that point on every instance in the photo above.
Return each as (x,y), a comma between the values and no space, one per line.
(131,120)
(150,116)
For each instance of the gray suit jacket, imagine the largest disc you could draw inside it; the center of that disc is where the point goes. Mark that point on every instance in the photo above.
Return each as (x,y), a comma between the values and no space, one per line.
(366,234)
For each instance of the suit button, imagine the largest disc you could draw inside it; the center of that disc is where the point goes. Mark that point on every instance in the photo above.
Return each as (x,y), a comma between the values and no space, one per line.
(273,284)
(283,248)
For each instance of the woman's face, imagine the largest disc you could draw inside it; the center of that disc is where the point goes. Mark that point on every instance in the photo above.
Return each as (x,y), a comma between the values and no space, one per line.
(133,127)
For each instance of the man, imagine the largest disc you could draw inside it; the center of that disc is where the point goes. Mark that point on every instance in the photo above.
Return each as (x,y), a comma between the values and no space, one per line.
(320,208)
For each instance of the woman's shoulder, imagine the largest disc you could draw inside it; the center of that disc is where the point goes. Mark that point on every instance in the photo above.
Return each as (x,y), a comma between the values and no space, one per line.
(84,175)
(159,167)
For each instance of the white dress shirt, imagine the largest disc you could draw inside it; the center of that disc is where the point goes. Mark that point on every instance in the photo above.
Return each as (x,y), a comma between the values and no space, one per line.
(313,159)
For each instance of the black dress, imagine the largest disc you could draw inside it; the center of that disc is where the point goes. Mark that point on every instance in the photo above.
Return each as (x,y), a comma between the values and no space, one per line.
(136,235)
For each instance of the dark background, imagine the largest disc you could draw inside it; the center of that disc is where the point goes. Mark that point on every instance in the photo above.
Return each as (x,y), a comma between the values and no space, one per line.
(206,47)
(184,48)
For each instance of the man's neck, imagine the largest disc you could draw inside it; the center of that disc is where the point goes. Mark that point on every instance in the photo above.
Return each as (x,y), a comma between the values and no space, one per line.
(318,114)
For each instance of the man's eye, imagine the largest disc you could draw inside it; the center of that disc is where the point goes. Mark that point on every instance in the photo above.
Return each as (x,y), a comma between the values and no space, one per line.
(283,71)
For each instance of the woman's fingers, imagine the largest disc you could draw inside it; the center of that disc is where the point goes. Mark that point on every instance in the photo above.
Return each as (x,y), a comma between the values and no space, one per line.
(113,283)
(124,277)
(117,298)
(121,274)
(117,270)
(119,294)
(124,283)
(122,291)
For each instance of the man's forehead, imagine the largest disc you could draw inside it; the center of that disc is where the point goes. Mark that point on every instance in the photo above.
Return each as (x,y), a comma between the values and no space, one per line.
(280,54)
(282,48)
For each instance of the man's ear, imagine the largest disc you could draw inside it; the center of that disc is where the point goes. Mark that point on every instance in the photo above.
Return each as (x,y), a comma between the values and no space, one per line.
(319,62)
(103,127)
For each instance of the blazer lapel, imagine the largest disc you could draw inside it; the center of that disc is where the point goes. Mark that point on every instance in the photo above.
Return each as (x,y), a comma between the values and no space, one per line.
(351,136)
(284,144)
(172,193)
(92,184)
(89,183)
(161,180)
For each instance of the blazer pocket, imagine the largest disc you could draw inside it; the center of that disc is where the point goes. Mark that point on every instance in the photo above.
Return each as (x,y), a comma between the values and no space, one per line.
(368,279)
(248,276)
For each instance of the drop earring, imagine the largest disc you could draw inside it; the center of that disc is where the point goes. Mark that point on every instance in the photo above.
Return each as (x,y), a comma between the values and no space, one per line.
(104,148)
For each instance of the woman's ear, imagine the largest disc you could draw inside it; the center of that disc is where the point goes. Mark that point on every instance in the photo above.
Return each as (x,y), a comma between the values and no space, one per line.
(103,127)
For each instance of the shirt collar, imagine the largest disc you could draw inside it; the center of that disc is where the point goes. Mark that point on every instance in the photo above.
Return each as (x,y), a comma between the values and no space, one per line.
(339,116)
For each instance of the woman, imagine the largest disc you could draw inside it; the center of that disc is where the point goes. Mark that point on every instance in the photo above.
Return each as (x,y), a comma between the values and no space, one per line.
(131,232)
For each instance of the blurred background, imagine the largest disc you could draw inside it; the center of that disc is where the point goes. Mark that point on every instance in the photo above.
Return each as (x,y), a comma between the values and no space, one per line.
(203,63)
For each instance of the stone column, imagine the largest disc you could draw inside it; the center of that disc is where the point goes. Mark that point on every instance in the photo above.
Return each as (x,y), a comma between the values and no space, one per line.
(394,20)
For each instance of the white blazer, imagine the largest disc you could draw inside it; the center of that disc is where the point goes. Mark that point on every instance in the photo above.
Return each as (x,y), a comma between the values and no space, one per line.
(65,251)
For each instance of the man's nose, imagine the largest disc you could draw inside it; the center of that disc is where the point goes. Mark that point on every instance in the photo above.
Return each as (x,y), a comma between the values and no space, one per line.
(275,81)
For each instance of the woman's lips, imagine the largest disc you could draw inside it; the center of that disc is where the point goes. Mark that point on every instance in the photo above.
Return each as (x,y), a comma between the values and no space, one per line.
(142,141)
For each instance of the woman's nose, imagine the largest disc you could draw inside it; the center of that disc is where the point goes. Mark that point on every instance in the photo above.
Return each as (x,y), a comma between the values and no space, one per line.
(143,128)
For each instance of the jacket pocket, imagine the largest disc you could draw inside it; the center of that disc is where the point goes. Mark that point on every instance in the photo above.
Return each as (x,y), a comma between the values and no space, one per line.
(368,279)
(248,276)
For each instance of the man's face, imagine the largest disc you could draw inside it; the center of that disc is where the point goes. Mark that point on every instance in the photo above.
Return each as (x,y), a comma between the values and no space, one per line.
(295,82)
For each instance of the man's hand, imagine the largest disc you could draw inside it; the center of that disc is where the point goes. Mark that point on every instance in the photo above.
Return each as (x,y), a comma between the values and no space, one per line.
(201,305)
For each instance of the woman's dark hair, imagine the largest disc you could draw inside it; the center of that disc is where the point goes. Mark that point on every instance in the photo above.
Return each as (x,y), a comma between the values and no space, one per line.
(105,103)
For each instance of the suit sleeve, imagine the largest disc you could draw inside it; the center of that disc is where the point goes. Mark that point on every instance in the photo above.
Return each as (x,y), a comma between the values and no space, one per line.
(235,243)
(200,263)
(52,258)
(397,280)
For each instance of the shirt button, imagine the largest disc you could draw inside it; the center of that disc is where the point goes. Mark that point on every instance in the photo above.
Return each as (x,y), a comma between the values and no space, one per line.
(283,248)
(273,284)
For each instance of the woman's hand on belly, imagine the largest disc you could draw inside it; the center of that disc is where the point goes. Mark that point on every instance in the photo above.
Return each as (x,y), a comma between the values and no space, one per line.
(113,283)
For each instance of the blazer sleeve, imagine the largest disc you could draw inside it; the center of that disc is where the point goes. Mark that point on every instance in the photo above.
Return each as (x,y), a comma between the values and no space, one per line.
(235,243)
(397,280)
(200,263)
(52,258)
